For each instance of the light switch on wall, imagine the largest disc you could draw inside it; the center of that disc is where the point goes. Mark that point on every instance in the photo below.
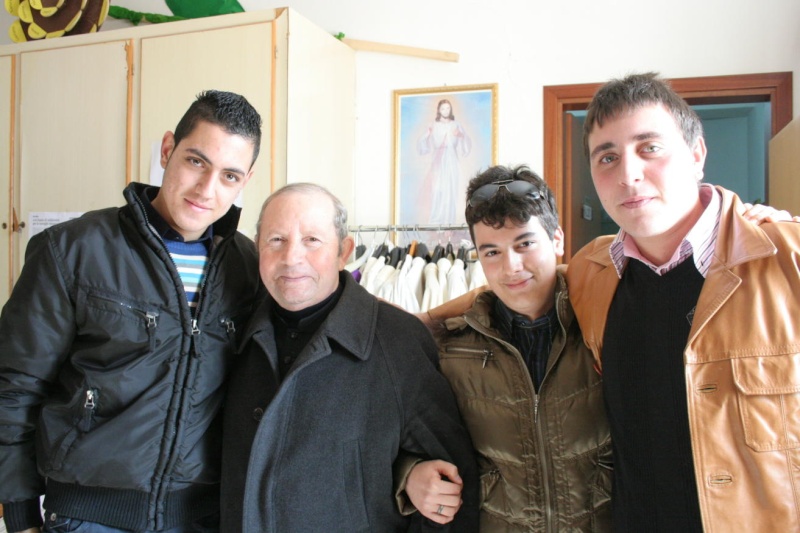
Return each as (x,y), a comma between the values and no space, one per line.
(587,212)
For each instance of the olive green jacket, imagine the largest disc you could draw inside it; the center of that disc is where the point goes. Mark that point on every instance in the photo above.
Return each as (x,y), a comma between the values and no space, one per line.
(544,460)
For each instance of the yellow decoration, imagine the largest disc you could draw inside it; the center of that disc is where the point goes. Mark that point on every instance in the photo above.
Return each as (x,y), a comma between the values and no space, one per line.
(12,6)
(36,32)
(16,32)
(24,12)
(38,19)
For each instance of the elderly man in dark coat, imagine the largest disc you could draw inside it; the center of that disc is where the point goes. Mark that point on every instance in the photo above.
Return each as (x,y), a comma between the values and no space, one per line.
(331,385)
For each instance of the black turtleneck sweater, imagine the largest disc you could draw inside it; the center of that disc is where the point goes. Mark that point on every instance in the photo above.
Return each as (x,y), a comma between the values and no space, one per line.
(293,329)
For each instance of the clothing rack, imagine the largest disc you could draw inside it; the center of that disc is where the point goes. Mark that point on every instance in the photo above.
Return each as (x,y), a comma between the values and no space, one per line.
(409,227)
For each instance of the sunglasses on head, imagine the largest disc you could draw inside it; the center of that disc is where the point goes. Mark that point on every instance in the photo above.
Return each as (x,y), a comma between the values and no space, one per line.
(516,187)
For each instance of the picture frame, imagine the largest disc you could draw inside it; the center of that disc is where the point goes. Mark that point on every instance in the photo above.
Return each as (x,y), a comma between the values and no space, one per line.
(435,156)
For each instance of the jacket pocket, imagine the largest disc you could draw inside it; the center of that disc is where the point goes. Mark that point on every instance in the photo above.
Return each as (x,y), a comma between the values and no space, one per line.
(354,485)
(84,421)
(603,477)
(481,354)
(489,480)
(118,328)
(769,400)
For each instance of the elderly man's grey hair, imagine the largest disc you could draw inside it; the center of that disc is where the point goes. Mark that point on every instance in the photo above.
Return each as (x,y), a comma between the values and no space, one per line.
(340,211)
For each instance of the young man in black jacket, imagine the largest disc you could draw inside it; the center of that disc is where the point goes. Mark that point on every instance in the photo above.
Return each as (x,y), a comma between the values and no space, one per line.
(116,340)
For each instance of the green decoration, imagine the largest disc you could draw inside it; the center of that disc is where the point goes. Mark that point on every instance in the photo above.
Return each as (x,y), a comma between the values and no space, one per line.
(339,35)
(181,10)
(203,8)
(135,17)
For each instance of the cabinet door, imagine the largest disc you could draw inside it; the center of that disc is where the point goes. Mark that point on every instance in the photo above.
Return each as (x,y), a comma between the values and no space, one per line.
(6,257)
(73,131)
(174,69)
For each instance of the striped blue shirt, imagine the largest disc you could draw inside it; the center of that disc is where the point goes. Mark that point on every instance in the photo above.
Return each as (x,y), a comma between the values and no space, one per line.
(191,260)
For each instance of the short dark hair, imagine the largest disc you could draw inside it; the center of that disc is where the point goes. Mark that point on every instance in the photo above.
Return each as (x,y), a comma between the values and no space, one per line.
(231,111)
(635,91)
(505,206)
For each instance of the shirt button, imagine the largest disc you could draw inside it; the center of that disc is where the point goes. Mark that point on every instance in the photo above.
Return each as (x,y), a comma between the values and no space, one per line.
(258,413)
(293,335)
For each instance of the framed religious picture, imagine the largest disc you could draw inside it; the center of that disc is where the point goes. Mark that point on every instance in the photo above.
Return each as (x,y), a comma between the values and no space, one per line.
(443,136)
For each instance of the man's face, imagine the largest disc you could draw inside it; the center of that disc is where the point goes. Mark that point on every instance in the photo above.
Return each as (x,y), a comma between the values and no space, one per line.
(299,255)
(647,176)
(203,174)
(520,264)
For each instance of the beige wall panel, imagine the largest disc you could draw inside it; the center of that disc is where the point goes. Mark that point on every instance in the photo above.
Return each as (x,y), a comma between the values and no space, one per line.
(73,119)
(784,168)
(321,107)
(5,177)
(176,68)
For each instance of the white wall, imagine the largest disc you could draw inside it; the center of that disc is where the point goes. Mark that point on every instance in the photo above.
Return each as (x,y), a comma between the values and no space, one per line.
(523,45)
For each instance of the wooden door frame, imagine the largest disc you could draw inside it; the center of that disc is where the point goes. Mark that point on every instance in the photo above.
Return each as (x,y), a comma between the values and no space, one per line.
(772,87)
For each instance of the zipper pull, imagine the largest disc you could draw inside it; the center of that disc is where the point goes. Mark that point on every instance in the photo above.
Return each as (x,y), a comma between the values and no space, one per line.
(151,318)
(230,327)
(195,329)
(486,354)
(89,405)
(90,400)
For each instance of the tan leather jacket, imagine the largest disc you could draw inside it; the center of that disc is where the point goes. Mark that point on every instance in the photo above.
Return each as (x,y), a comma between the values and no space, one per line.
(545,461)
(742,369)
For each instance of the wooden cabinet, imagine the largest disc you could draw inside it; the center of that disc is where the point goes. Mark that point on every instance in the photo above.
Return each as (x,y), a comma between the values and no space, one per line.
(80,115)
(784,168)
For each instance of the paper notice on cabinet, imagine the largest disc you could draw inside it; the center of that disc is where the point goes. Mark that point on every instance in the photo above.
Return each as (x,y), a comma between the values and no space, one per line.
(41,220)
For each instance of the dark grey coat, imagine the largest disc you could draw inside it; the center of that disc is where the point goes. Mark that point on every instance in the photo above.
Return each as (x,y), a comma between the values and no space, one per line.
(315,452)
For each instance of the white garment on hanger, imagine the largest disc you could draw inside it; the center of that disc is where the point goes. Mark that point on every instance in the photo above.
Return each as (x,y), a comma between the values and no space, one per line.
(443,265)
(381,277)
(386,289)
(370,272)
(358,262)
(404,295)
(456,280)
(475,276)
(414,280)
(432,295)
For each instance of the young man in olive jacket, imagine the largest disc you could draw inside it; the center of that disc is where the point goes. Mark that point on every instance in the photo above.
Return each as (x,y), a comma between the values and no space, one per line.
(524,380)
(115,343)
(331,385)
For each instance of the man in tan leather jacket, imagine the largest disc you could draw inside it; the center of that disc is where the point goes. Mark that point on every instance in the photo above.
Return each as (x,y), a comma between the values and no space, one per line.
(693,313)
(524,380)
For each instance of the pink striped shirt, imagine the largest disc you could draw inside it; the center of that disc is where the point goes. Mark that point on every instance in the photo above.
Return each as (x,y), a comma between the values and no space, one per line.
(700,241)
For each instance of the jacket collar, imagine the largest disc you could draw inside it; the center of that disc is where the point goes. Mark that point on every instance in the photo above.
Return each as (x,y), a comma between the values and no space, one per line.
(480,312)
(739,241)
(351,325)
(223,228)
